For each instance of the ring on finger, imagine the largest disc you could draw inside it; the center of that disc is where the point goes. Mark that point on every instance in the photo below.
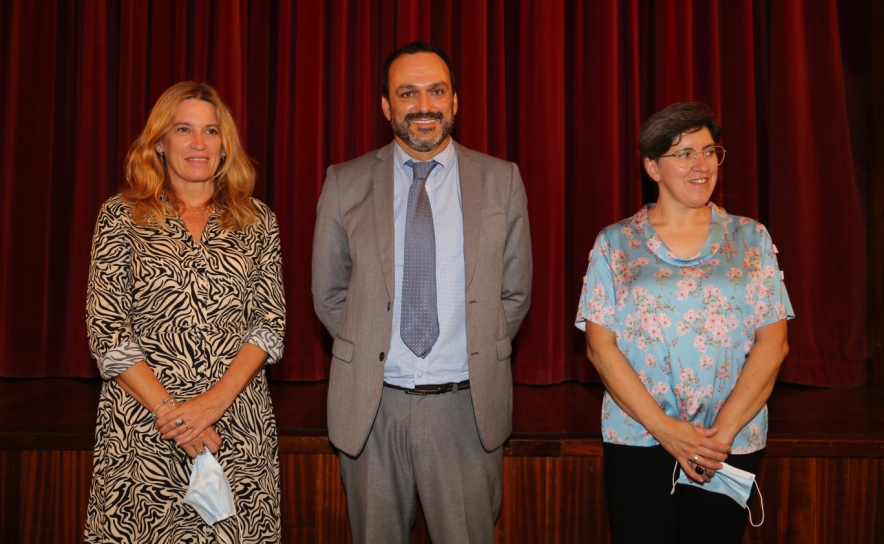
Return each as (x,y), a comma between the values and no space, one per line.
(699,470)
(179,422)
(188,427)
(201,451)
(695,458)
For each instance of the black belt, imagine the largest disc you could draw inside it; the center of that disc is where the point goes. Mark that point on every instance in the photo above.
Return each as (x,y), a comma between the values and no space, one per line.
(433,389)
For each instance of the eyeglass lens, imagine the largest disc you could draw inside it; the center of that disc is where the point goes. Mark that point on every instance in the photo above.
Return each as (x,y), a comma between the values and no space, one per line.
(689,157)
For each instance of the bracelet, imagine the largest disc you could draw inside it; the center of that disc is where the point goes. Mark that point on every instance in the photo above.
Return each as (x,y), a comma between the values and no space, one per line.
(160,405)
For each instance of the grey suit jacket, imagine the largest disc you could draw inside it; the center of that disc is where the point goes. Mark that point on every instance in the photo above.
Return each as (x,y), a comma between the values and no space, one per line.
(353,286)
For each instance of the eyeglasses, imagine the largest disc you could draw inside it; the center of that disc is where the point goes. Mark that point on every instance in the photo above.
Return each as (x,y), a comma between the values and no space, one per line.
(687,157)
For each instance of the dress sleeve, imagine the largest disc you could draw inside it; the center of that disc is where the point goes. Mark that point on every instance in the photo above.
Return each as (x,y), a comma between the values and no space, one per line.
(597,296)
(772,302)
(109,297)
(267,315)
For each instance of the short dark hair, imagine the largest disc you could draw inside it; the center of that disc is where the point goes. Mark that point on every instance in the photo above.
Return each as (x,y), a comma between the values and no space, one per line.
(663,129)
(411,49)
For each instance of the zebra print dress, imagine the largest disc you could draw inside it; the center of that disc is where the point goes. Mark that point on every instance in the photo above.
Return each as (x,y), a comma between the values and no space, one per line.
(186,309)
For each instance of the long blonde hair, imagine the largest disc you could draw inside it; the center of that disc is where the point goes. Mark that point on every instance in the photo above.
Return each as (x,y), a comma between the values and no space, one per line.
(146,172)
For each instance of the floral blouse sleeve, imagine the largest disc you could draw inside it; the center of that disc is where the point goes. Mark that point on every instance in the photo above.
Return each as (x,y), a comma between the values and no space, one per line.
(765,291)
(597,299)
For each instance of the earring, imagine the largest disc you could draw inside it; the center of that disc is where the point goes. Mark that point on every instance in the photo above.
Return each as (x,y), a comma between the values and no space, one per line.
(223,158)
(163,158)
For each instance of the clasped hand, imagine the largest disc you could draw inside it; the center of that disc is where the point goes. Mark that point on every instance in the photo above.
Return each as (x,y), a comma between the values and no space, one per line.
(686,442)
(190,424)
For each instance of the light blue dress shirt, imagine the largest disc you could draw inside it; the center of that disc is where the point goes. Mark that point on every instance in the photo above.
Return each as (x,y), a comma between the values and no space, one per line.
(448,360)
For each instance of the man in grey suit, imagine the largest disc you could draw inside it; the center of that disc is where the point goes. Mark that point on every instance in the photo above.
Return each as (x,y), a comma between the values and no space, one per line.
(422,275)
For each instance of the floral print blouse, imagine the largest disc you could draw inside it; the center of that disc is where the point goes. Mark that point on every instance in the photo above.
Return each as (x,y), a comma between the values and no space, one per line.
(685,325)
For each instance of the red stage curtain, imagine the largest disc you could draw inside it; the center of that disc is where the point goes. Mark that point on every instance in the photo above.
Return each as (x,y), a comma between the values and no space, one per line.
(560,87)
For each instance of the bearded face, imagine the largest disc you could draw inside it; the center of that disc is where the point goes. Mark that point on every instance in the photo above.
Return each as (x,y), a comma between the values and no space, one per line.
(421,103)
(419,130)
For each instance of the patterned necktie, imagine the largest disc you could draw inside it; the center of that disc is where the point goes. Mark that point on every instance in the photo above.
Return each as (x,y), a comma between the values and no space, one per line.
(419,327)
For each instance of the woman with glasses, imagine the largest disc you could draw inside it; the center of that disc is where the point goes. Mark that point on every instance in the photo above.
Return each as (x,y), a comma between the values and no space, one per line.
(685,314)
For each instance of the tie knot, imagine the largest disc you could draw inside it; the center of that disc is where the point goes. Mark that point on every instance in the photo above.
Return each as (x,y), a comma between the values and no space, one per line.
(422,169)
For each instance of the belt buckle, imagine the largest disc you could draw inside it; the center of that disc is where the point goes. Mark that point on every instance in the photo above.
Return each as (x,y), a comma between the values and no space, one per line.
(427,389)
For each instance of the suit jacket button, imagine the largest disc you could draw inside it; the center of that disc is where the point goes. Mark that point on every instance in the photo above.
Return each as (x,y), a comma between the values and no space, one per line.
(381,358)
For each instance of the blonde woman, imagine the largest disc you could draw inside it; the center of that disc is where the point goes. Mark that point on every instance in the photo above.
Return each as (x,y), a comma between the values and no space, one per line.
(185,307)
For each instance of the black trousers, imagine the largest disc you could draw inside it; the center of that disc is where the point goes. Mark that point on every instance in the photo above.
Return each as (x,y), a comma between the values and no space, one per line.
(641,509)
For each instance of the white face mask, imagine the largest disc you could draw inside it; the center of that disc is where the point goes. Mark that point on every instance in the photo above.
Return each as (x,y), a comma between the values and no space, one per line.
(730,481)
(209,491)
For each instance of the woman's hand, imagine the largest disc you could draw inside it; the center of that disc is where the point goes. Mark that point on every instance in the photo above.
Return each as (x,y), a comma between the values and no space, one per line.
(206,440)
(199,413)
(726,441)
(681,439)
(686,442)
(187,421)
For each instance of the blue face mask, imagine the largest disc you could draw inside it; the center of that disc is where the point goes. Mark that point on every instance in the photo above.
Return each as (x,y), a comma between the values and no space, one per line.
(730,481)
(209,491)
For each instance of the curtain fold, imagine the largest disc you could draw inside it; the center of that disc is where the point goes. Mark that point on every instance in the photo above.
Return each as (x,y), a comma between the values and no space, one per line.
(559,87)
(602,161)
(541,158)
(825,250)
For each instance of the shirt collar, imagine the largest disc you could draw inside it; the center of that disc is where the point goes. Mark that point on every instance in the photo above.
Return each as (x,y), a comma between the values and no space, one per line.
(717,230)
(444,157)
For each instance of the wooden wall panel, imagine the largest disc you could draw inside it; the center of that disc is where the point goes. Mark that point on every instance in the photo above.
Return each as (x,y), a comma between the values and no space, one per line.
(332,524)
(10,494)
(554,500)
(849,493)
(524,496)
(796,496)
(315,509)
(53,492)
(576,508)
(820,501)
(879,519)
(298,510)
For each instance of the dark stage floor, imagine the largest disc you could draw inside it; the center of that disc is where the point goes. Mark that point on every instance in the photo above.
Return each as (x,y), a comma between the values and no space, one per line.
(59,413)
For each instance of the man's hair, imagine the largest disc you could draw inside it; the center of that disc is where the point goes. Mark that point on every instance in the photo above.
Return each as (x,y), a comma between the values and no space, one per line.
(664,129)
(411,49)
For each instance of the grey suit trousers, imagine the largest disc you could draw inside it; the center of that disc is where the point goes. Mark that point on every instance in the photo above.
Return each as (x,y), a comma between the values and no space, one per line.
(426,447)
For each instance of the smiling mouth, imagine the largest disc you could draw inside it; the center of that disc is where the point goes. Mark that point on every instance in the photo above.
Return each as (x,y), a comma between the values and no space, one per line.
(701,181)
(424,120)
(197,159)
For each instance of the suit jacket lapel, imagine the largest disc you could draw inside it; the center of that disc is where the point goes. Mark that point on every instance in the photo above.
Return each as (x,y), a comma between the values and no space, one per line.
(471,197)
(382,194)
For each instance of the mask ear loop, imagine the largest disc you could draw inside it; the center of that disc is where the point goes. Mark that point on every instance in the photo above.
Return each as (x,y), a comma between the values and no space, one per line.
(674,472)
(760,499)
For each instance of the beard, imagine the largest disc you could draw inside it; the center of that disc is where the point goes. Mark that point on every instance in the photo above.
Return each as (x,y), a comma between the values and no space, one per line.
(422,145)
